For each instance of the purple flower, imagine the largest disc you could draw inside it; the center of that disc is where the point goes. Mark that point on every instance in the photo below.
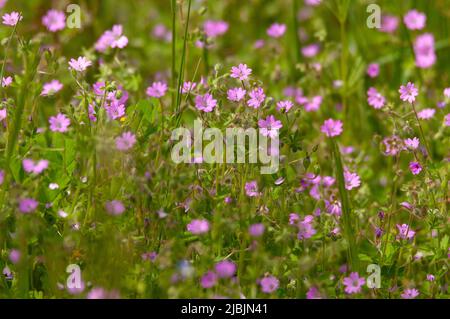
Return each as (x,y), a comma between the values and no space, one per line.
(405,232)
(225,269)
(236,94)
(410,293)
(6,81)
(28,205)
(257,97)
(240,72)
(188,87)
(313,293)
(276,30)
(205,103)
(126,141)
(412,144)
(415,168)
(415,20)
(270,126)
(284,105)
(14,256)
(389,23)
(373,70)
(269,284)
(54,20)
(208,280)
(115,207)
(305,228)
(59,123)
(12,18)
(157,89)
(256,230)
(430,277)
(393,145)
(424,51)
(408,92)
(251,189)
(51,88)
(426,114)
(447,120)
(198,226)
(352,180)
(332,127)
(353,283)
(30,166)
(80,64)
(311,50)
(215,28)
(113,38)
(375,99)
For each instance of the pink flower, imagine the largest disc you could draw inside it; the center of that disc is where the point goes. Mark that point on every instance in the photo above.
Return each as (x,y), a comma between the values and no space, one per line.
(14,256)
(352,180)
(373,70)
(198,226)
(54,20)
(389,23)
(31,166)
(405,232)
(113,38)
(332,127)
(269,284)
(51,88)
(115,207)
(12,18)
(2,176)
(205,103)
(188,87)
(251,189)
(236,94)
(115,110)
(447,92)
(415,168)
(215,28)
(7,81)
(80,65)
(375,99)
(126,141)
(256,230)
(415,20)
(257,97)
(408,92)
(312,104)
(313,2)
(353,283)
(447,120)
(426,114)
(225,269)
(412,144)
(393,145)
(424,51)
(157,89)
(305,228)
(270,126)
(276,30)
(240,72)
(313,293)
(208,280)
(284,105)
(311,50)
(28,205)
(59,123)
(410,293)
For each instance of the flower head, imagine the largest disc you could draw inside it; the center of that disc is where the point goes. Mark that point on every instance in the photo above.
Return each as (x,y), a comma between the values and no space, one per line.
(332,127)
(270,126)
(198,226)
(28,205)
(269,284)
(257,97)
(126,141)
(215,28)
(256,230)
(284,105)
(205,103)
(115,207)
(426,114)
(352,180)
(408,92)
(59,123)
(31,166)
(424,51)
(415,168)
(410,293)
(208,280)
(157,89)
(412,143)
(51,88)
(405,232)
(240,72)
(54,20)
(12,18)
(389,23)
(353,283)
(80,64)
(225,269)
(236,94)
(6,81)
(251,189)
(415,20)
(373,70)
(276,30)
(375,99)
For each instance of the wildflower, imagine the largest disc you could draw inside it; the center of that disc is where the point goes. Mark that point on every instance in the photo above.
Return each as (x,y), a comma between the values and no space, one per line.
(251,189)
(389,23)
(115,110)
(353,283)
(447,92)
(393,145)
(198,226)
(2,176)
(258,44)
(269,284)
(205,103)
(12,18)
(59,123)
(293,219)
(415,20)
(270,126)
(6,81)
(257,97)
(424,51)
(373,70)
(54,20)
(157,89)
(332,127)
(276,30)
(430,277)
(447,120)
(311,50)
(236,94)
(352,180)
(408,92)
(240,72)
(256,230)
(28,205)
(14,256)
(284,106)
(426,114)
(215,28)
(313,293)
(333,207)
(80,65)
(149,256)
(126,141)
(375,99)
(225,269)
(305,228)
(208,280)
(113,38)
(51,88)
(412,143)
(410,293)
(405,232)
(115,207)
(415,168)
(312,104)
(3,114)
(188,87)
(30,166)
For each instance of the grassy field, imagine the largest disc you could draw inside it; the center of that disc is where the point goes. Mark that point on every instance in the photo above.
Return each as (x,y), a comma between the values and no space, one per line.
(93,204)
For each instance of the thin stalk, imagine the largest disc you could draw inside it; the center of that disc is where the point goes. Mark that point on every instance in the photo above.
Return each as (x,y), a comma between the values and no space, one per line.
(295,30)
(173,78)
(422,136)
